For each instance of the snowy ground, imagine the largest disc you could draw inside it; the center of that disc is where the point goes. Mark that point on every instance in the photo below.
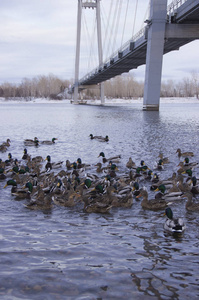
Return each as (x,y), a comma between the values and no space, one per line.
(98,102)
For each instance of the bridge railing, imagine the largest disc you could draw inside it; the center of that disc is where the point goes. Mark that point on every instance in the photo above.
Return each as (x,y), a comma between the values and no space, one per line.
(171,10)
(174,5)
(136,37)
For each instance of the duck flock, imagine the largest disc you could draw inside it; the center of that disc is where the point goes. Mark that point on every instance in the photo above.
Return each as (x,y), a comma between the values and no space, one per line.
(98,187)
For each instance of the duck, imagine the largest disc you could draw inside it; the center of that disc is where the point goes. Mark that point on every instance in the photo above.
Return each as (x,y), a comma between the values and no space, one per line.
(99,138)
(26,156)
(30,142)
(174,226)
(115,159)
(130,164)
(195,187)
(22,193)
(136,188)
(12,183)
(159,165)
(183,186)
(40,201)
(52,142)
(97,207)
(164,159)
(2,174)
(189,164)
(5,145)
(180,153)
(67,198)
(154,204)
(49,166)
(190,205)
(124,198)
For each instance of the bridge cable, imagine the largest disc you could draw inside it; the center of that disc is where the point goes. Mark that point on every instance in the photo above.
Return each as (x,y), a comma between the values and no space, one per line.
(107,27)
(117,25)
(135,17)
(111,30)
(125,18)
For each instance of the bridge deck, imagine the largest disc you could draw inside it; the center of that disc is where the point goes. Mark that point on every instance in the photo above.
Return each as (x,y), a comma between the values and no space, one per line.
(133,54)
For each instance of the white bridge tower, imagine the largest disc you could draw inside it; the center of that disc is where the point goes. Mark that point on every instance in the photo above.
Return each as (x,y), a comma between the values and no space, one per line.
(94,4)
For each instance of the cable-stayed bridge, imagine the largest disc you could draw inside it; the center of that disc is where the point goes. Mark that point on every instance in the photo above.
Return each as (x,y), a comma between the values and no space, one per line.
(167,29)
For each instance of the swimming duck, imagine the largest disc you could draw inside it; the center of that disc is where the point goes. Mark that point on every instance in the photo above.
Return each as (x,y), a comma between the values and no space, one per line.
(99,138)
(12,183)
(184,153)
(159,165)
(195,187)
(136,188)
(22,193)
(49,142)
(49,166)
(190,205)
(164,159)
(5,145)
(29,142)
(2,174)
(154,204)
(172,225)
(113,159)
(25,155)
(130,163)
(189,164)
(40,201)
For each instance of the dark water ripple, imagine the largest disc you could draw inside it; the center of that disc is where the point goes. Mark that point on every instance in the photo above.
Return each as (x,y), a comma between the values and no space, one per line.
(64,253)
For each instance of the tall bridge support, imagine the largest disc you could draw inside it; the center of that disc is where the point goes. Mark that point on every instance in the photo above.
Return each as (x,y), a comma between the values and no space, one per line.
(87,4)
(154,56)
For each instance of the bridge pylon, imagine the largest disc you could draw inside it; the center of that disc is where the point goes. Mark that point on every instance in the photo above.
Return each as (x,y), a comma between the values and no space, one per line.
(154,55)
(87,4)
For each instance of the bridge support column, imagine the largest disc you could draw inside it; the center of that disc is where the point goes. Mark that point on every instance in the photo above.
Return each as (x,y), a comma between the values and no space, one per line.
(154,56)
(79,17)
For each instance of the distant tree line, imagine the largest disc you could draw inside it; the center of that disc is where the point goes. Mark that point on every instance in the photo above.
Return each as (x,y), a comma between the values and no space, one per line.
(125,86)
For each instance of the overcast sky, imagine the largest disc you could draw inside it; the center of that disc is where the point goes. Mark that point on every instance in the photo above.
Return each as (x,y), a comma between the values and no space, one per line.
(38,37)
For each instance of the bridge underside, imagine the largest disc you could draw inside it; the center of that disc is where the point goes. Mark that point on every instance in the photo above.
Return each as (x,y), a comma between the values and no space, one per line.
(180,29)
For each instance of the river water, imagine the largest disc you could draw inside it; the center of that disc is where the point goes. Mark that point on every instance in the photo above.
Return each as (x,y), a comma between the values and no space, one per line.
(65,253)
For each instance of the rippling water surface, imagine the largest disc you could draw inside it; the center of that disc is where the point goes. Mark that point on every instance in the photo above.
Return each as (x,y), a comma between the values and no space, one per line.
(65,253)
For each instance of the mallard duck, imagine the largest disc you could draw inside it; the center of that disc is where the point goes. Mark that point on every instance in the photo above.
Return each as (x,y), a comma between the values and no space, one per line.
(164,159)
(184,153)
(67,198)
(49,166)
(40,201)
(159,165)
(96,207)
(124,198)
(9,161)
(190,205)
(154,204)
(195,187)
(25,155)
(161,191)
(115,159)
(5,145)
(173,225)
(22,193)
(130,164)
(99,138)
(189,164)
(12,183)
(136,188)
(49,142)
(29,142)
(2,174)
(183,186)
